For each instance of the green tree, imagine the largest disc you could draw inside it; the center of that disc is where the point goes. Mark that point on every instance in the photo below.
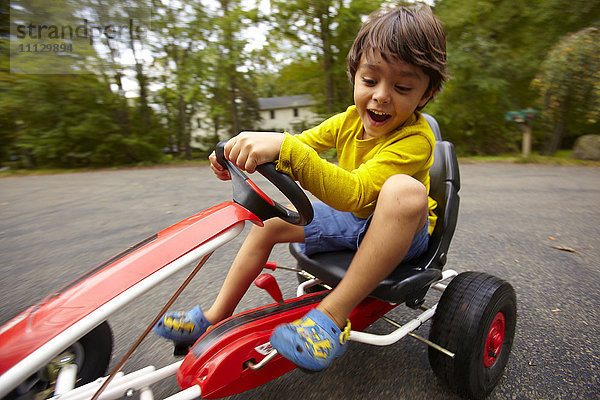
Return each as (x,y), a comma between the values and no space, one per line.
(569,86)
(301,76)
(322,32)
(233,104)
(69,121)
(494,51)
(73,118)
(181,31)
(205,78)
(119,61)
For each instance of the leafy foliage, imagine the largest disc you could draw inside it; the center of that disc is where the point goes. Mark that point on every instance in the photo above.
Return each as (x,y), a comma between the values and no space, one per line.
(70,121)
(494,51)
(196,72)
(323,31)
(569,85)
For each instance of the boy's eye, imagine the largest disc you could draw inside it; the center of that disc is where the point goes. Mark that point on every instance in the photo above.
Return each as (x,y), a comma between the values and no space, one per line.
(402,88)
(369,81)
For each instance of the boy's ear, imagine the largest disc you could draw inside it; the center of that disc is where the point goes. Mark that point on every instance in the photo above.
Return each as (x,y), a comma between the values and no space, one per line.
(426,97)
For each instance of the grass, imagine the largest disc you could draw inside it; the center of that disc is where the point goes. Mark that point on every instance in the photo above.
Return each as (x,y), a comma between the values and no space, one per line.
(562,157)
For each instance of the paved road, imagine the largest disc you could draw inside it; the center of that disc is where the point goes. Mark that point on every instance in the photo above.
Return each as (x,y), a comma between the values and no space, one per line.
(54,228)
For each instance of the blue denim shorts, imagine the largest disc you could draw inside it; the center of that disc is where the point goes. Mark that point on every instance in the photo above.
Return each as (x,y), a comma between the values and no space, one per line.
(332,230)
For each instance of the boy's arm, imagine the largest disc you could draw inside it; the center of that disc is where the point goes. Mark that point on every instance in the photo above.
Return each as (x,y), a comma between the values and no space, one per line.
(249,149)
(352,190)
(323,136)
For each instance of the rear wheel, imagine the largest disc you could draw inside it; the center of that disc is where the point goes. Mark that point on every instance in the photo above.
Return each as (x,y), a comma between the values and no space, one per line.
(91,354)
(476,320)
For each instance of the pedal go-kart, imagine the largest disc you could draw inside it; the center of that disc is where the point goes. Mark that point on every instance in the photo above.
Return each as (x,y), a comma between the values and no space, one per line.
(61,347)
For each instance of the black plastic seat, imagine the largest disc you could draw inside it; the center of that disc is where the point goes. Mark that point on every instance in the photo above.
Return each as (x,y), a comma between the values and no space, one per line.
(410,281)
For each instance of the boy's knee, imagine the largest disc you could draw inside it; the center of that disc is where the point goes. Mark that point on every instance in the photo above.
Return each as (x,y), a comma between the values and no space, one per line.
(274,231)
(269,228)
(404,194)
(405,186)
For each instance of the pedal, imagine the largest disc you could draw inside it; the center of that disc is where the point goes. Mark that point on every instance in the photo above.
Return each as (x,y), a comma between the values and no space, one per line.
(181,349)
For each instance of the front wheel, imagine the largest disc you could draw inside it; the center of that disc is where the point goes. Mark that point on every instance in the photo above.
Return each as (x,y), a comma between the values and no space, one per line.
(476,320)
(91,354)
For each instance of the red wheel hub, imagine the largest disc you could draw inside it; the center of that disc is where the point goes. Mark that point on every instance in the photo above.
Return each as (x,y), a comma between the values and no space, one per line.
(493,342)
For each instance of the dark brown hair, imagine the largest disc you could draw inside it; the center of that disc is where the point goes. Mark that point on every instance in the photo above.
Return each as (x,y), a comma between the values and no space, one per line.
(409,34)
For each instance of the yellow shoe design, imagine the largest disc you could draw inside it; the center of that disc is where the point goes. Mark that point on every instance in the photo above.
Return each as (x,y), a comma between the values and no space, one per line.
(311,342)
(182,327)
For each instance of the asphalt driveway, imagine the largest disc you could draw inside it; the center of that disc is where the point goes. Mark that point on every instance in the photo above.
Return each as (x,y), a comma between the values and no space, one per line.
(536,226)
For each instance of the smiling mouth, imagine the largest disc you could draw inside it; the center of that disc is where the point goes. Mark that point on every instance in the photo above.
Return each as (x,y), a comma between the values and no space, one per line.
(378,116)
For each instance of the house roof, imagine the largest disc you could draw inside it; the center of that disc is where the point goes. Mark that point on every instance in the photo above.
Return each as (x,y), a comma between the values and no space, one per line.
(272,103)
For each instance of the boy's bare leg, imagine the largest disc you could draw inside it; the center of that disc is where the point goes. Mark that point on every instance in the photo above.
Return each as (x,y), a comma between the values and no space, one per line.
(249,262)
(400,213)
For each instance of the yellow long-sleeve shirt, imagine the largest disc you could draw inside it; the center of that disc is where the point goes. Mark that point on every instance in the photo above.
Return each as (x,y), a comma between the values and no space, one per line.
(364,165)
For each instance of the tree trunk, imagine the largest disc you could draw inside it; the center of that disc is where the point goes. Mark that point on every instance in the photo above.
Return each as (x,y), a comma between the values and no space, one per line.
(180,122)
(235,123)
(144,110)
(231,72)
(327,60)
(559,129)
(187,130)
(557,134)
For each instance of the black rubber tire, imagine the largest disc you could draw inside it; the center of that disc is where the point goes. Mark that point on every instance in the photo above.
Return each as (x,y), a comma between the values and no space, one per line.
(92,355)
(462,324)
(97,346)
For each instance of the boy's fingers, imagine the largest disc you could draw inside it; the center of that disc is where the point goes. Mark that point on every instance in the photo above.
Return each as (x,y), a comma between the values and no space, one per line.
(240,153)
(250,165)
(249,149)
(218,169)
(214,163)
(225,176)
(221,174)
(233,154)
(229,147)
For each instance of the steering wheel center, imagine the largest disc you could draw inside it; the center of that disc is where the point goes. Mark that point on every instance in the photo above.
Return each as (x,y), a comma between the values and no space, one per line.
(247,194)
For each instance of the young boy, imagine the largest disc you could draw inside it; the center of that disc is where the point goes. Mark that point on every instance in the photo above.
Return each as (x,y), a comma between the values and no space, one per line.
(385,149)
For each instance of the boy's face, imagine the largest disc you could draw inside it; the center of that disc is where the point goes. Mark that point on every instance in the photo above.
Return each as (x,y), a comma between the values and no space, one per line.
(387,93)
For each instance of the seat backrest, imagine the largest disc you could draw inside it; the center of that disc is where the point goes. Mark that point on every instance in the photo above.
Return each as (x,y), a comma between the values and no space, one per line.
(433,124)
(444,186)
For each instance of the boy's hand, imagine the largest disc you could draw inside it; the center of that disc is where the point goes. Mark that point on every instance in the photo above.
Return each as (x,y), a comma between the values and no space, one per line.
(217,168)
(247,150)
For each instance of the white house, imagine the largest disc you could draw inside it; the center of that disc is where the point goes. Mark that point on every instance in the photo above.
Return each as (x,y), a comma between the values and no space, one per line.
(291,114)
(288,113)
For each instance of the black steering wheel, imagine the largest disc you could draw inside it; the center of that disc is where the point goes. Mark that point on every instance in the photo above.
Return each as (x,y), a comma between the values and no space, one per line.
(249,196)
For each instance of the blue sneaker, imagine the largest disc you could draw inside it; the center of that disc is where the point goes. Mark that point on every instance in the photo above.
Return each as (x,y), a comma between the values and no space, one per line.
(311,342)
(182,327)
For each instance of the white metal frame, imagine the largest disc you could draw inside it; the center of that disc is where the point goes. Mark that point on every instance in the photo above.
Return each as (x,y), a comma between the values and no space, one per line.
(122,384)
(402,331)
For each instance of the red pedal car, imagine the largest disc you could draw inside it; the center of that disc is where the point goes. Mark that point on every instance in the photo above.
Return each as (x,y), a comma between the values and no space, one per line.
(61,347)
